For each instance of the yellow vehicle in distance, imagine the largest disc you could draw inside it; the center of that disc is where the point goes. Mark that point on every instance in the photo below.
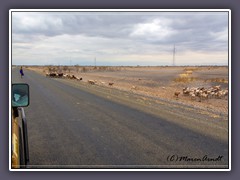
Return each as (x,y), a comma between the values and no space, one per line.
(19,137)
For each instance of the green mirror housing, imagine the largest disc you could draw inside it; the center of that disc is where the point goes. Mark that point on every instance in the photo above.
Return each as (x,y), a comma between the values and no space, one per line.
(20,95)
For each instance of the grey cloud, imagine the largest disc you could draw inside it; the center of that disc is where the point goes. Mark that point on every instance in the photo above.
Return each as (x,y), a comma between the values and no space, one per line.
(112,33)
(194,27)
(90,25)
(195,30)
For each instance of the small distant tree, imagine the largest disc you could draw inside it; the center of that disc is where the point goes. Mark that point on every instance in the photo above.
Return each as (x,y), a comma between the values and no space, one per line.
(77,68)
(54,69)
(58,69)
(65,68)
(84,69)
(51,69)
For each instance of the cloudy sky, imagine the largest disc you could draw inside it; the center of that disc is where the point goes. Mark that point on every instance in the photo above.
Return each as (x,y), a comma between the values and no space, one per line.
(119,38)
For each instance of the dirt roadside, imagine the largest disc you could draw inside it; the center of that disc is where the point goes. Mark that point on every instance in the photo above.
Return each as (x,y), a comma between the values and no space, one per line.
(160,84)
(204,121)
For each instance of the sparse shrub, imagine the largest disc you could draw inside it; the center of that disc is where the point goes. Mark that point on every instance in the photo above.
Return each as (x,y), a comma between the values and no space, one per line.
(188,72)
(77,68)
(219,80)
(103,68)
(191,69)
(184,78)
(84,69)
(65,68)
(51,69)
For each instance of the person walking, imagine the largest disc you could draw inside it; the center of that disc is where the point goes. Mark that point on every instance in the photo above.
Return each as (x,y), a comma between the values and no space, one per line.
(21,72)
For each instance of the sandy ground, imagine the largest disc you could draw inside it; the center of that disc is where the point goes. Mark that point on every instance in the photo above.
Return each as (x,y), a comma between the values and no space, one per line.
(156,82)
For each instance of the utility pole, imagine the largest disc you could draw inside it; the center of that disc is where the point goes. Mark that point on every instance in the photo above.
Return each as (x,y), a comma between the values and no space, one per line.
(70,61)
(174,51)
(95,62)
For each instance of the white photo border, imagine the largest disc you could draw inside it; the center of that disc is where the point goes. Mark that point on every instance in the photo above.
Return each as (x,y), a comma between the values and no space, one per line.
(121,10)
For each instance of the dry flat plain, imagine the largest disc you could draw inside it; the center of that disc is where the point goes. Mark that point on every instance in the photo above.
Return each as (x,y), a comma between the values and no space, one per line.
(161,82)
(118,114)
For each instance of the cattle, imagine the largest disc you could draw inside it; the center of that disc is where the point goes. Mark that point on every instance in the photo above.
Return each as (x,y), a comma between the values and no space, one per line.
(60,75)
(53,75)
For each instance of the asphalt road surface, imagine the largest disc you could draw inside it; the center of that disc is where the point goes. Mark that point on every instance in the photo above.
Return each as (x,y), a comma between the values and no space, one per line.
(75,125)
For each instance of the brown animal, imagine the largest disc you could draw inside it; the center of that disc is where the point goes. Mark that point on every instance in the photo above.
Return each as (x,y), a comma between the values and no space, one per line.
(186,91)
(60,75)
(110,84)
(52,74)
(73,77)
(91,82)
(176,93)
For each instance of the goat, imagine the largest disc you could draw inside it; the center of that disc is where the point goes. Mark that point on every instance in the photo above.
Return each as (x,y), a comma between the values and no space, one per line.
(73,77)
(91,82)
(79,79)
(176,93)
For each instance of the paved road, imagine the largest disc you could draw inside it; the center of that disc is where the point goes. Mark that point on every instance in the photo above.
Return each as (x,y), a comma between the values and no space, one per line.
(70,125)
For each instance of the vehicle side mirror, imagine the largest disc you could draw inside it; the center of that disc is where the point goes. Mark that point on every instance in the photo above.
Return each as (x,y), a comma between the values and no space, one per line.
(20,95)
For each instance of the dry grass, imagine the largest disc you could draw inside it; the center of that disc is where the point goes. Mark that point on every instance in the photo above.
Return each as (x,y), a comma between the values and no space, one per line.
(188,72)
(218,80)
(159,82)
(99,69)
(185,77)
(191,69)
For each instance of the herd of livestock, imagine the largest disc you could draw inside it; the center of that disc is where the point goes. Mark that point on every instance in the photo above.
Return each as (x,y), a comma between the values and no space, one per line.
(61,75)
(199,93)
(68,76)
